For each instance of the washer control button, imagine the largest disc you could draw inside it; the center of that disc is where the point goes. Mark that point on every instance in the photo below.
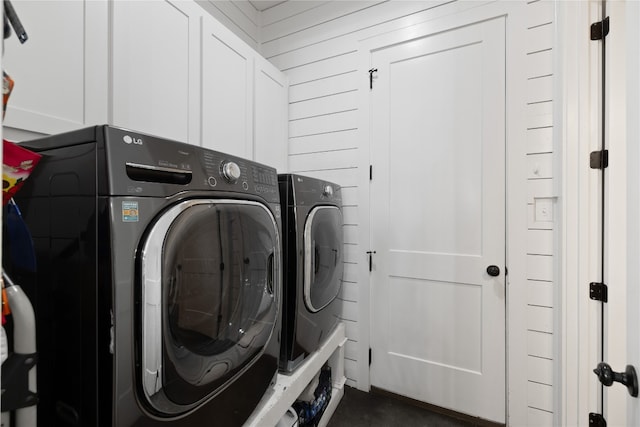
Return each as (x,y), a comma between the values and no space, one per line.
(245,186)
(231,171)
(327,191)
(212,181)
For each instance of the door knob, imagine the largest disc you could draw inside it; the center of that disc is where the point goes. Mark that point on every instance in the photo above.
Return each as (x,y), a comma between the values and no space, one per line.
(607,377)
(493,270)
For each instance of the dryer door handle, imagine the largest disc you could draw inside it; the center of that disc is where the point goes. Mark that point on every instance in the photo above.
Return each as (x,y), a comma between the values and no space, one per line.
(270,272)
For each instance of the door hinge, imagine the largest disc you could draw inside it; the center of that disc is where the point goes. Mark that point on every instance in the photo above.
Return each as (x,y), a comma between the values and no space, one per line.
(598,291)
(600,29)
(369,356)
(599,159)
(597,420)
(370,172)
(371,71)
(370,253)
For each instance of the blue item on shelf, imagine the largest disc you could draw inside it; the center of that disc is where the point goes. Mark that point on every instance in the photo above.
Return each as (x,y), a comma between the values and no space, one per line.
(309,413)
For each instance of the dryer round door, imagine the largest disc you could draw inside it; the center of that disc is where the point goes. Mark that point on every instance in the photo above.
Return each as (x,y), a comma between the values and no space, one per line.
(323,264)
(209,299)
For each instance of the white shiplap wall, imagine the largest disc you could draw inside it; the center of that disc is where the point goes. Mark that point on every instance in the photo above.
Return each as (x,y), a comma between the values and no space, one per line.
(239,16)
(316,44)
(540,239)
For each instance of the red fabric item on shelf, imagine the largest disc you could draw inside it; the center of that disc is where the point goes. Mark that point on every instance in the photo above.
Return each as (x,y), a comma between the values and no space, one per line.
(17,165)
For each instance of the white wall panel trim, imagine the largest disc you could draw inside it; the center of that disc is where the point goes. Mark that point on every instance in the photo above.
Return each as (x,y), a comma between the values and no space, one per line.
(322,152)
(539,102)
(323,78)
(541,76)
(540,25)
(306,21)
(320,60)
(533,52)
(324,96)
(287,10)
(324,133)
(324,114)
(542,410)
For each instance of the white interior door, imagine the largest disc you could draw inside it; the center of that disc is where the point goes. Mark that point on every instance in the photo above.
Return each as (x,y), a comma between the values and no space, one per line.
(438,219)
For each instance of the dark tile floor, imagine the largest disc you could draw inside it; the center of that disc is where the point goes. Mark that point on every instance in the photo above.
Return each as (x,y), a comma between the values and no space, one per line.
(360,409)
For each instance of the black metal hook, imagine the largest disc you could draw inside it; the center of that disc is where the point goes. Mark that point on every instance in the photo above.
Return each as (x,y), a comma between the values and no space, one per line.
(371,71)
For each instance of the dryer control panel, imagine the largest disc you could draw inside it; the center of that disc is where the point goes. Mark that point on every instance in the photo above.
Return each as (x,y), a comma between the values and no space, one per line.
(311,191)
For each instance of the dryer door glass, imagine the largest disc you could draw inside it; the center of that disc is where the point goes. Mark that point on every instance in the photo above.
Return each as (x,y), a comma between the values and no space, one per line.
(209,298)
(323,265)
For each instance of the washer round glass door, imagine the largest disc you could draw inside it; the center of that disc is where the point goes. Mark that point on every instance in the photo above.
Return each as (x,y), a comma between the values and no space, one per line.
(323,265)
(209,299)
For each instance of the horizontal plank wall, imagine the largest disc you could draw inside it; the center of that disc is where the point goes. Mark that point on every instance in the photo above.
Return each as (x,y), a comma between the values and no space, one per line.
(541,204)
(239,16)
(316,44)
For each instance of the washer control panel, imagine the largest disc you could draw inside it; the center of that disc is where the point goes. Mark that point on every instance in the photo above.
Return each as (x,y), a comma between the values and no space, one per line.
(154,166)
(225,172)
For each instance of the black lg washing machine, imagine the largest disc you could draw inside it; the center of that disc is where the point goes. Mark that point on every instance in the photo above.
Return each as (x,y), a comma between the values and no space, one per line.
(157,294)
(313,265)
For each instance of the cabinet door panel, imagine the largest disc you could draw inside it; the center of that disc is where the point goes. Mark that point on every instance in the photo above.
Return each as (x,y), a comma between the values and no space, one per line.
(227,91)
(151,67)
(271,106)
(48,70)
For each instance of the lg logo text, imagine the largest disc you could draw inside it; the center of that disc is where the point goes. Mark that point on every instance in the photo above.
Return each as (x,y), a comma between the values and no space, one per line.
(131,140)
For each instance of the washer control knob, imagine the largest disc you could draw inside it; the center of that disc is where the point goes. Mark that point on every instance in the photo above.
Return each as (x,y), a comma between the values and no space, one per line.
(327,191)
(231,171)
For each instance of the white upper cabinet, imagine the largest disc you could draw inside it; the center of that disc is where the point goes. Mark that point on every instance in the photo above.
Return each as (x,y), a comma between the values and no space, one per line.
(162,67)
(54,91)
(227,91)
(270,115)
(154,55)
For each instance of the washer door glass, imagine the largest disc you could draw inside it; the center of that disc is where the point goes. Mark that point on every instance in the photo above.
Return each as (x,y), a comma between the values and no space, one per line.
(209,299)
(323,265)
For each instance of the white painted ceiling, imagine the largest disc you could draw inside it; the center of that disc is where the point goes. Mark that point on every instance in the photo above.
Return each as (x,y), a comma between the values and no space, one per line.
(265,4)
